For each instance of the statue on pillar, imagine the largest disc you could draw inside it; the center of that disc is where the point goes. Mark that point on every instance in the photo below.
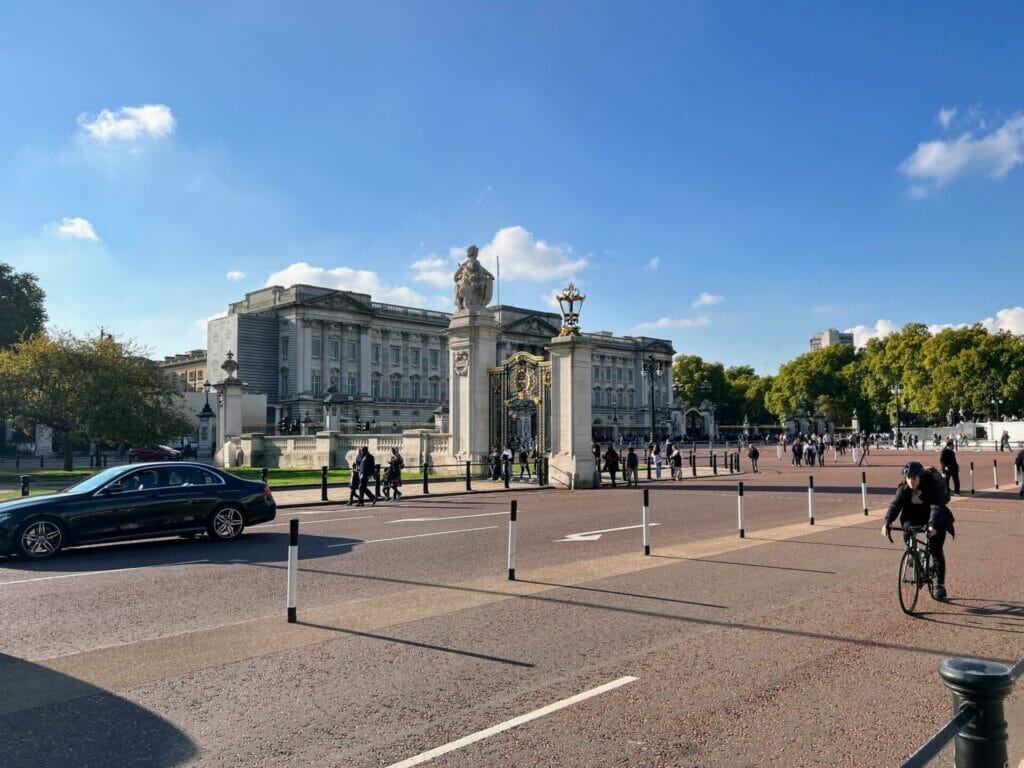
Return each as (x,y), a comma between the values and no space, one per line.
(473,283)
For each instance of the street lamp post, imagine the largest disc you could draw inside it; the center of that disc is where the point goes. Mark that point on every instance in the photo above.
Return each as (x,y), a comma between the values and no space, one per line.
(895,389)
(996,402)
(652,368)
(206,416)
(615,422)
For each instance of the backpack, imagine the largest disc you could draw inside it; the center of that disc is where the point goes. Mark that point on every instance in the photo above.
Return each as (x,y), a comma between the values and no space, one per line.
(941,485)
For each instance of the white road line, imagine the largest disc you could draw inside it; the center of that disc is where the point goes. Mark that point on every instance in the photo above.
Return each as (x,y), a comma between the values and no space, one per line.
(97,573)
(472,738)
(595,535)
(416,536)
(317,522)
(455,517)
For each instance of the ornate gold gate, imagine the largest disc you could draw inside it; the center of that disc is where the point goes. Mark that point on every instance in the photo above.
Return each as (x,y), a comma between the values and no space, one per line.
(521,386)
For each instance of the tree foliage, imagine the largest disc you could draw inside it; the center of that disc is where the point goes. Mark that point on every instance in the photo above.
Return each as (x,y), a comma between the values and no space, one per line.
(89,390)
(21,300)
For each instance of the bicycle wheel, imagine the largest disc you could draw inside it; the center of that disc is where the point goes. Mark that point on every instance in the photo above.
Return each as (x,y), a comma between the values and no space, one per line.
(910,583)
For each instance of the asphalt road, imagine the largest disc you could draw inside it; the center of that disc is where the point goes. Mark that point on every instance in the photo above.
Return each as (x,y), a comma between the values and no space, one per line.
(786,647)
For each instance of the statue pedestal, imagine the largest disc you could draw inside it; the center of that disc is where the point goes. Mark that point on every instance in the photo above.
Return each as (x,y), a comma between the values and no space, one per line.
(472,349)
(572,460)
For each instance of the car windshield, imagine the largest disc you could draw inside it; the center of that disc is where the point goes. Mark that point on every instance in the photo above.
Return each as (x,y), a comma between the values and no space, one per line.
(93,482)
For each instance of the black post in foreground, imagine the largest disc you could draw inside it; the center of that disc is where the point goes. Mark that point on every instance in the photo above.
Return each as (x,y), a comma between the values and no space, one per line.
(426,481)
(810,499)
(512,543)
(995,473)
(714,463)
(293,567)
(469,483)
(864,491)
(739,506)
(972,478)
(323,484)
(647,522)
(25,480)
(981,686)
(507,471)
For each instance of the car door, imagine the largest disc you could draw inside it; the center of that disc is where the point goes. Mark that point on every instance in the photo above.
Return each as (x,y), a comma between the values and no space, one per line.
(136,509)
(190,495)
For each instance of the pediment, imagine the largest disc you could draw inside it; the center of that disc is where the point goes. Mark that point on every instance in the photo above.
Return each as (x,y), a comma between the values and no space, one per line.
(532,325)
(338,300)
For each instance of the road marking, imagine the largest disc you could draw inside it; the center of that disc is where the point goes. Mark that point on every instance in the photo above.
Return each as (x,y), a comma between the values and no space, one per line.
(472,738)
(317,522)
(416,536)
(432,519)
(97,573)
(595,535)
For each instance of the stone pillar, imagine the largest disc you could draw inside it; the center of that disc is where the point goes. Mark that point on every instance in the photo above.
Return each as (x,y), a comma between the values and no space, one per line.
(44,440)
(229,417)
(472,336)
(364,360)
(572,460)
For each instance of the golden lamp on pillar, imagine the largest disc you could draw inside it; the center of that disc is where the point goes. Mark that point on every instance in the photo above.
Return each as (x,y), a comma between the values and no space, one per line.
(570,301)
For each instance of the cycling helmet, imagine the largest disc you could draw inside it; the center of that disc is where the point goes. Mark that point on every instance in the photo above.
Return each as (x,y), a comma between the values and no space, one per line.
(913,469)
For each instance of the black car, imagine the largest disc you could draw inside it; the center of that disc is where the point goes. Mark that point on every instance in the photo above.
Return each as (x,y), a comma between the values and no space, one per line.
(134,502)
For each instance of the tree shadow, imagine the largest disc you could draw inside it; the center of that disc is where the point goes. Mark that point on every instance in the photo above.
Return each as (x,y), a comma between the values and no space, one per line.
(1010,614)
(52,720)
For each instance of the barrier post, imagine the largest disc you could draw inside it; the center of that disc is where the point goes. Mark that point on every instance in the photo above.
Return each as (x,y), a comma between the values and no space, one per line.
(810,499)
(714,463)
(647,458)
(25,480)
(376,478)
(1016,478)
(647,522)
(972,478)
(469,483)
(864,491)
(512,542)
(981,686)
(693,463)
(995,474)
(323,484)
(264,473)
(739,459)
(739,506)
(507,471)
(426,479)
(293,567)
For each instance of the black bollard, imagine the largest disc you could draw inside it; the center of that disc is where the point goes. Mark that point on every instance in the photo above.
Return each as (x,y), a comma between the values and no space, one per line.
(25,480)
(647,458)
(426,479)
(376,475)
(714,463)
(293,568)
(981,686)
(469,484)
(972,478)
(264,473)
(693,464)
(507,471)
(323,483)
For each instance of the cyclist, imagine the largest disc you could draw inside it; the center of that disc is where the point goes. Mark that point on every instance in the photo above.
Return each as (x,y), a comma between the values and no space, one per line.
(919,501)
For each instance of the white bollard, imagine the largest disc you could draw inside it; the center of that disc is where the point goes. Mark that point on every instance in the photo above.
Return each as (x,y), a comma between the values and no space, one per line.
(995,474)
(647,522)
(739,506)
(293,567)
(864,490)
(972,478)
(853,454)
(512,543)
(778,452)
(810,499)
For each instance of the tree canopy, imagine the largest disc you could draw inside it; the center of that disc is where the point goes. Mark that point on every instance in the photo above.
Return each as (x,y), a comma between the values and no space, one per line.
(22,301)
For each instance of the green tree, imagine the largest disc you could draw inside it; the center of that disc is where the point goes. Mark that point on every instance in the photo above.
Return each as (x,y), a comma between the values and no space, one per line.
(22,300)
(95,390)
(897,359)
(690,372)
(825,381)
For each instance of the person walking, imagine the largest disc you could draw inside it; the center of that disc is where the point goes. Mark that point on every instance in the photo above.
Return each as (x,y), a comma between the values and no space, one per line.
(353,483)
(676,463)
(753,455)
(633,466)
(657,461)
(367,468)
(950,468)
(611,463)
(394,475)
(1019,463)
(524,464)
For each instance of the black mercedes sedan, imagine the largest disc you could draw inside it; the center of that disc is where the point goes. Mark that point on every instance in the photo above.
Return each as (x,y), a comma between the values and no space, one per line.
(133,502)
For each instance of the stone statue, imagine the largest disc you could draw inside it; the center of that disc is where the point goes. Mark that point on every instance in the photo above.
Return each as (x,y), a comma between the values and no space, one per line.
(473,283)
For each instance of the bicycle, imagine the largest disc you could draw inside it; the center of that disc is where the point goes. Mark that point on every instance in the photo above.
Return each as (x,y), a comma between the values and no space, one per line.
(916,569)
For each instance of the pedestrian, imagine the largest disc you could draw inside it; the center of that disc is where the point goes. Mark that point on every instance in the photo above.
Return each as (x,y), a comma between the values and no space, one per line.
(797,452)
(1019,463)
(657,461)
(524,464)
(394,475)
(367,469)
(611,463)
(353,484)
(753,455)
(506,462)
(633,465)
(950,467)
(676,462)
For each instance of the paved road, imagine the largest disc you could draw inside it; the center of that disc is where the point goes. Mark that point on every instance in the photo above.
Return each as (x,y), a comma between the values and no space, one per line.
(785,647)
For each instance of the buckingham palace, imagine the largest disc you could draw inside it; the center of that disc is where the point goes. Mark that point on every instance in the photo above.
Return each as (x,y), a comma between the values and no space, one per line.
(382,367)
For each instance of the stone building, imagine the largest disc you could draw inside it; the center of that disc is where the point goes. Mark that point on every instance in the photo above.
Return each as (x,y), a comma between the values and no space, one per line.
(186,370)
(385,366)
(829,337)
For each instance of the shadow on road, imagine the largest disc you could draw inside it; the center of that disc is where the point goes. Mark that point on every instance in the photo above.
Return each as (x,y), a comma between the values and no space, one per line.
(978,613)
(51,720)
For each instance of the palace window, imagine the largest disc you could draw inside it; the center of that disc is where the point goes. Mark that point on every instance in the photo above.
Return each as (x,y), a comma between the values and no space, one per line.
(352,384)
(315,384)
(284,347)
(396,355)
(314,347)
(415,390)
(375,353)
(375,387)
(435,357)
(335,349)
(351,351)
(396,389)
(414,358)
(434,392)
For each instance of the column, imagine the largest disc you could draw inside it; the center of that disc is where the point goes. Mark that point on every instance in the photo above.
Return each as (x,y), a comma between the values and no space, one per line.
(472,336)
(363,361)
(572,460)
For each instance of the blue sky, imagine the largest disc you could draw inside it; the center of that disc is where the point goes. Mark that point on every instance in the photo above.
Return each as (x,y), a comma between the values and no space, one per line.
(732,176)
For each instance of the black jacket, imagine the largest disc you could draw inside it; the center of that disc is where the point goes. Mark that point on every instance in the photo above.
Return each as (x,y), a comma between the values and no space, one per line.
(921,508)
(948,458)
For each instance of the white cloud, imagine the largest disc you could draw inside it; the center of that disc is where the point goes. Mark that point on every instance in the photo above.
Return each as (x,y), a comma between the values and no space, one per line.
(77,229)
(945,116)
(936,163)
(435,271)
(1011,320)
(128,124)
(358,280)
(524,257)
(823,309)
(665,323)
(235,275)
(707,299)
(653,264)
(862,333)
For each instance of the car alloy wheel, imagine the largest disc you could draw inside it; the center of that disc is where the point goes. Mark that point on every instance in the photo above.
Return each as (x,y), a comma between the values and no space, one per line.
(41,539)
(227,523)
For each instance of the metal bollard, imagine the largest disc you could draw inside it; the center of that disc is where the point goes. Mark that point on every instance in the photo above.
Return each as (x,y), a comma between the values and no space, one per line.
(323,484)
(981,686)
(995,474)
(693,464)
(739,460)
(739,505)
(25,480)
(426,481)
(512,542)
(810,499)
(864,491)
(264,474)
(376,474)
(714,463)
(972,478)
(469,484)
(647,521)
(293,567)
(647,458)
(507,471)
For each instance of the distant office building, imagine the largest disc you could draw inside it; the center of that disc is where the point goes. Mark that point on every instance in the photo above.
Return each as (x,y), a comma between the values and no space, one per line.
(830,337)
(186,370)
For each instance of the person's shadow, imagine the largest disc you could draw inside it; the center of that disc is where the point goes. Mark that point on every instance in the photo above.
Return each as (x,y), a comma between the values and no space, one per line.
(51,720)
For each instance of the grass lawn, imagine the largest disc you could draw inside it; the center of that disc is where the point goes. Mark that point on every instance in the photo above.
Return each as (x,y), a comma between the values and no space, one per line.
(8,495)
